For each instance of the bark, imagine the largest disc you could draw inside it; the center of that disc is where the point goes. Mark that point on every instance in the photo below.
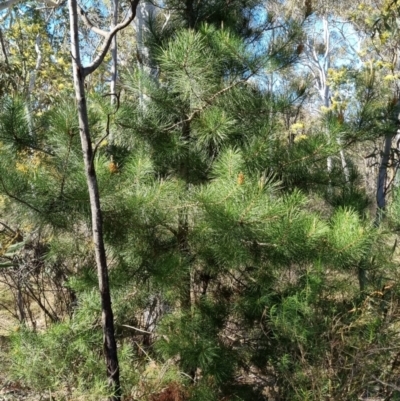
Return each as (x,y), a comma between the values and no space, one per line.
(114,53)
(114,70)
(183,230)
(108,38)
(3,48)
(10,3)
(344,164)
(380,201)
(381,184)
(79,73)
(362,278)
(184,249)
(144,11)
(190,13)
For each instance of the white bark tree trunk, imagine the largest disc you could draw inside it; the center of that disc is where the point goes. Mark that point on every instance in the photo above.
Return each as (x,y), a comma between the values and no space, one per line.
(144,12)
(32,81)
(319,67)
(114,52)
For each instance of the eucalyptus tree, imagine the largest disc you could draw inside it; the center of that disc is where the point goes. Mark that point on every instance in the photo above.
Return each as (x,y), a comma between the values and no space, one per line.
(382,24)
(319,58)
(376,49)
(324,50)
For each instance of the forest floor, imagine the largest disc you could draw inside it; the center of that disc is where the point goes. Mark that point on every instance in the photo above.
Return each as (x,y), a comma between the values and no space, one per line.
(8,322)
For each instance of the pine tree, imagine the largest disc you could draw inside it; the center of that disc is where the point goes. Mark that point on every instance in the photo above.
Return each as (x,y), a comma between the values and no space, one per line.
(223,220)
(218,226)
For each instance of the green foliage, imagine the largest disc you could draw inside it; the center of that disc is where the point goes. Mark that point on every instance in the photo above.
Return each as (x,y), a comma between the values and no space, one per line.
(60,356)
(233,250)
(194,339)
(14,130)
(67,355)
(350,238)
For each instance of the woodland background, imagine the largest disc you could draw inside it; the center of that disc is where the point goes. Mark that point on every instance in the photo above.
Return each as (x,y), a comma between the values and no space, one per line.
(228,171)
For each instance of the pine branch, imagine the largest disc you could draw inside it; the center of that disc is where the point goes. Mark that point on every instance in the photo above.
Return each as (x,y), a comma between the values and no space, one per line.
(64,177)
(18,199)
(208,103)
(304,157)
(8,228)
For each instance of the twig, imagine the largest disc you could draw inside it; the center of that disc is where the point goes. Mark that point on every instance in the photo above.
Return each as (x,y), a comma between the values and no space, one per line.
(8,228)
(107,127)
(208,103)
(185,374)
(137,329)
(141,348)
(18,199)
(397,388)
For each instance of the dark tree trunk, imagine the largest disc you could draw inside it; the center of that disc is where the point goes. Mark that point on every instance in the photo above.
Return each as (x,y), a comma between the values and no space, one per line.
(183,226)
(380,203)
(382,179)
(186,290)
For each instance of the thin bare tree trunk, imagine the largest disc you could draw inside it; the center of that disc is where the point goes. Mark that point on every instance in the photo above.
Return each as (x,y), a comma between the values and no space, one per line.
(114,72)
(144,11)
(344,164)
(109,343)
(114,52)
(380,201)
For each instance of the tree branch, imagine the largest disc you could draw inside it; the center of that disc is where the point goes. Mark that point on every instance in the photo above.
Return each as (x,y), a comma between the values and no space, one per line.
(107,127)
(397,388)
(10,3)
(108,39)
(208,103)
(8,228)
(3,48)
(89,23)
